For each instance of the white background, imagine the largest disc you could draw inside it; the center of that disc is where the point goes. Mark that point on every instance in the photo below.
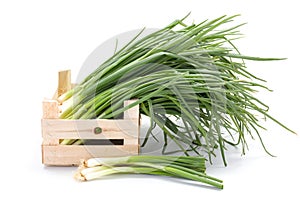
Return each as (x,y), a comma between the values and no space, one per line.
(37,39)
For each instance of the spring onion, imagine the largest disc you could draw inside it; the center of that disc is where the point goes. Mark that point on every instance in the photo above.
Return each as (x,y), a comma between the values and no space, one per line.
(191,73)
(191,168)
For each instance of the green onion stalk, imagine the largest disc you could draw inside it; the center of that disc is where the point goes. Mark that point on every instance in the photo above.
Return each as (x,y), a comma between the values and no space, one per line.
(190,168)
(190,80)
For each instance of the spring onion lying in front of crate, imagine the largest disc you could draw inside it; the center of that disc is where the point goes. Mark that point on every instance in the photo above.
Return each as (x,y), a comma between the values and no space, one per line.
(192,73)
(191,168)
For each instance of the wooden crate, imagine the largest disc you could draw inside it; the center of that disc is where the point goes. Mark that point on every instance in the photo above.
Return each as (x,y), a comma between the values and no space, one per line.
(124,133)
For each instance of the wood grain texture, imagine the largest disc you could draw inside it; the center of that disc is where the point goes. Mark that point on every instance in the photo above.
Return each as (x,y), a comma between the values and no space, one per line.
(50,109)
(64,82)
(67,155)
(84,129)
(133,115)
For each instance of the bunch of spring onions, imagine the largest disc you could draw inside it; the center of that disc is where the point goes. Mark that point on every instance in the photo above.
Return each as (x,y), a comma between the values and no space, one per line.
(191,73)
(191,168)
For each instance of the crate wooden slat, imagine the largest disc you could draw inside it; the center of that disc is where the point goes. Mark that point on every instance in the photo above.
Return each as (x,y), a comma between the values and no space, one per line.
(69,155)
(55,129)
(84,129)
